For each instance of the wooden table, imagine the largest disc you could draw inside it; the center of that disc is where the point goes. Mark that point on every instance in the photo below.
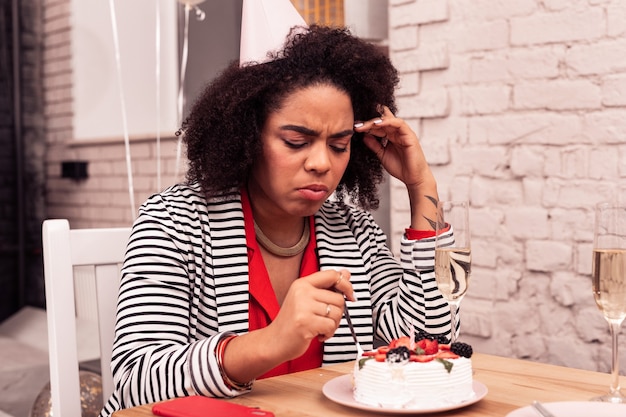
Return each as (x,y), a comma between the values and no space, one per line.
(512,383)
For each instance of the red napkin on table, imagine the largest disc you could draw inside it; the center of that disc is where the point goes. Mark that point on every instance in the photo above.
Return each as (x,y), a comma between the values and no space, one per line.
(198,406)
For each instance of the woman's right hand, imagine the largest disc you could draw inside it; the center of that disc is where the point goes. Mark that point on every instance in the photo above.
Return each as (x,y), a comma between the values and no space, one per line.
(312,308)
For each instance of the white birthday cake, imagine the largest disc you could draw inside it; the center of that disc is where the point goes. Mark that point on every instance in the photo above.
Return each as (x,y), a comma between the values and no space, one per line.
(420,375)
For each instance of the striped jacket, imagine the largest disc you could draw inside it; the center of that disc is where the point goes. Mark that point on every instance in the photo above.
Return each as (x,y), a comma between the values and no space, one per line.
(184,286)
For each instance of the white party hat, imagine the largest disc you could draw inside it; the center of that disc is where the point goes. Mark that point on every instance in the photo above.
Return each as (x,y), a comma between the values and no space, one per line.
(265,25)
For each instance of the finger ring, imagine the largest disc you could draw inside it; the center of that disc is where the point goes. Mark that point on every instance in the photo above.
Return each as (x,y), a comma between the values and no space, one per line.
(339,280)
(327,309)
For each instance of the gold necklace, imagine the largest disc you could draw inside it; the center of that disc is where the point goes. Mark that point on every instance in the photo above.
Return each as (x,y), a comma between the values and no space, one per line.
(274,249)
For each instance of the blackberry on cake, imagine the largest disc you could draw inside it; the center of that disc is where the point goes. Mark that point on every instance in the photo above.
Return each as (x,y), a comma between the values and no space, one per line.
(440,338)
(398,355)
(462,349)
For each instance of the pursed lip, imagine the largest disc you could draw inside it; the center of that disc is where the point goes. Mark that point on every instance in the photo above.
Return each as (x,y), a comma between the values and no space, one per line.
(314,191)
(315,187)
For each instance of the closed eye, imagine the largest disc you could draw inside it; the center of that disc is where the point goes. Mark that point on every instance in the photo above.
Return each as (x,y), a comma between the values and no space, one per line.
(294,145)
(341,142)
(339,149)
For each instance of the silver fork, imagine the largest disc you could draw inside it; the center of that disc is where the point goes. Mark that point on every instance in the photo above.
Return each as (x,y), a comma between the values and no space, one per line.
(541,409)
(346,314)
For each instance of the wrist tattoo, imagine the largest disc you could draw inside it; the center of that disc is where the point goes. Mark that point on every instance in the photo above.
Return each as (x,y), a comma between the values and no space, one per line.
(433,223)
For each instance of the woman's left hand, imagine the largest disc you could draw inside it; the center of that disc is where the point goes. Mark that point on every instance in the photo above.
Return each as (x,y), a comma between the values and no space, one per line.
(397,146)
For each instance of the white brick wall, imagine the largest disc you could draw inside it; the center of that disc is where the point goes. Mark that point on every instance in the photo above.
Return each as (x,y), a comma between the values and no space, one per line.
(521,107)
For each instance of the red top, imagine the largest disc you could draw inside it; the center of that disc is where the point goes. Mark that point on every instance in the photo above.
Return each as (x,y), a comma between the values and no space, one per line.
(263,305)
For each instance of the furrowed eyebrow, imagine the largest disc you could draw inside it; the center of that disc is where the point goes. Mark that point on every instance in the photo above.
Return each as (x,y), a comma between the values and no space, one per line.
(310,132)
(343,133)
(300,129)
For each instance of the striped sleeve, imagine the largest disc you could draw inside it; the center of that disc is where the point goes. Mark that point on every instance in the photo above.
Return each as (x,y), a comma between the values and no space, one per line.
(160,351)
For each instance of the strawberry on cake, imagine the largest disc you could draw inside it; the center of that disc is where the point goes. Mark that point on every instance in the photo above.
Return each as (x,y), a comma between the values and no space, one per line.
(420,374)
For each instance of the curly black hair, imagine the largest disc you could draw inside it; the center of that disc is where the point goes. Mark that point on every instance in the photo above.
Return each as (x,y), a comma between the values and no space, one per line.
(222,133)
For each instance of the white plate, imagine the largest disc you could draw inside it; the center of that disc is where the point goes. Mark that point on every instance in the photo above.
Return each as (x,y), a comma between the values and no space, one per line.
(339,390)
(574,409)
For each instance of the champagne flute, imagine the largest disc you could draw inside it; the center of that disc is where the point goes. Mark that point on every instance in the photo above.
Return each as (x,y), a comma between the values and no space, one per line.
(609,280)
(453,255)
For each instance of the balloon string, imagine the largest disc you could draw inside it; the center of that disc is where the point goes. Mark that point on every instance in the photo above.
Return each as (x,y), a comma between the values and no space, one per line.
(158,93)
(181,86)
(123,109)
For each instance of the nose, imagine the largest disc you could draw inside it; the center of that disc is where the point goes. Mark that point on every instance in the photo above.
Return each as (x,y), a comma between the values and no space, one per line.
(318,159)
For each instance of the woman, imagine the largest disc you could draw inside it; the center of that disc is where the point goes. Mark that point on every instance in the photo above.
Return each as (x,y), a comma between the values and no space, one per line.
(244,271)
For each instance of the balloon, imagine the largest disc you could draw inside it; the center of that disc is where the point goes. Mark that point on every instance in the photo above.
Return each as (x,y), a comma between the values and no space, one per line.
(90,397)
(191,2)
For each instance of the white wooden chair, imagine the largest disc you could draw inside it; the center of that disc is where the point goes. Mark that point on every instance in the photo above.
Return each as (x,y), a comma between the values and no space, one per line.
(63,250)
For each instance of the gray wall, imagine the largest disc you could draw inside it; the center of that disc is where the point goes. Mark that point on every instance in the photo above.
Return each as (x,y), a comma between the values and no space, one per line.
(21,156)
(213,43)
